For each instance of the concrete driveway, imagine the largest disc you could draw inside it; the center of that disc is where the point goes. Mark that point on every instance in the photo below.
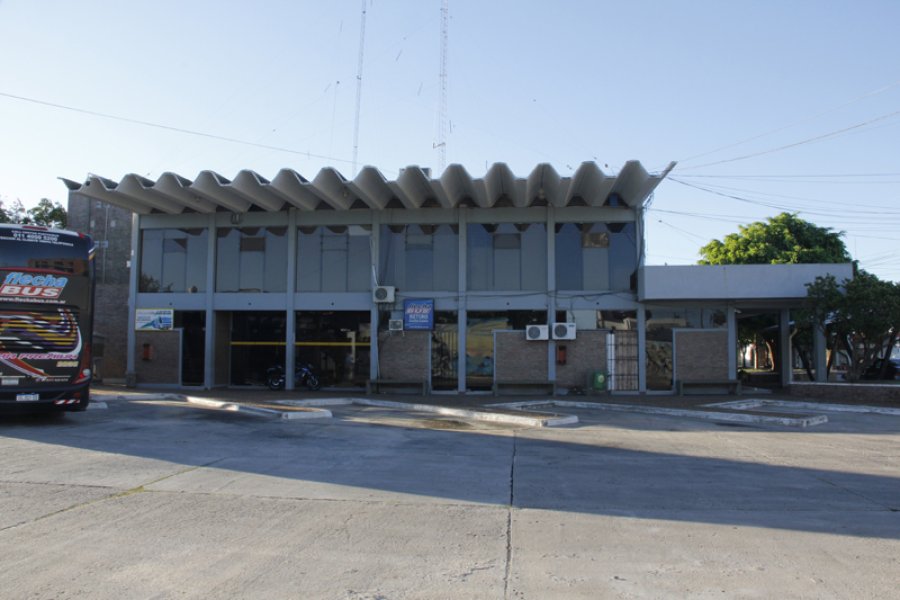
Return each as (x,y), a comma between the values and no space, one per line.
(159,499)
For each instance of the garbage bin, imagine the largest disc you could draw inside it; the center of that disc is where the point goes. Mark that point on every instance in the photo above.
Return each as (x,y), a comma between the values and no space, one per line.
(598,381)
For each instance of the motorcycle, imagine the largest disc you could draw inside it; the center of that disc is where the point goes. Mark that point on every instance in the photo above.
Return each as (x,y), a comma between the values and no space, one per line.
(303,375)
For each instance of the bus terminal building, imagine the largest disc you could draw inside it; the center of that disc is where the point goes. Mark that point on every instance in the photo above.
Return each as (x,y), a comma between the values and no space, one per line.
(450,283)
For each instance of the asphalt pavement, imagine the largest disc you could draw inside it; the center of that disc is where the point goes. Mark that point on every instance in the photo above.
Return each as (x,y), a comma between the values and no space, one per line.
(157,498)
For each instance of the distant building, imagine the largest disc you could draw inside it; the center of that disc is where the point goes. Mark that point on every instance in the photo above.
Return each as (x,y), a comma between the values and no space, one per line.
(457,283)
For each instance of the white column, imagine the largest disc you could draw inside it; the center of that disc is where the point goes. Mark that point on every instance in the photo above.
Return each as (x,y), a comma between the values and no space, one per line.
(642,348)
(732,342)
(374,254)
(134,276)
(551,290)
(784,332)
(462,312)
(209,341)
(820,353)
(290,326)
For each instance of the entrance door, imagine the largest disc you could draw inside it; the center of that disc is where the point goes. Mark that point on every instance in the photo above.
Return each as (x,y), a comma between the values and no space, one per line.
(193,345)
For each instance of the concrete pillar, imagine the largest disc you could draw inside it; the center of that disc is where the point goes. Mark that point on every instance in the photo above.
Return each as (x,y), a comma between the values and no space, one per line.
(134,276)
(374,258)
(784,331)
(642,348)
(462,313)
(209,342)
(820,359)
(551,290)
(732,342)
(290,324)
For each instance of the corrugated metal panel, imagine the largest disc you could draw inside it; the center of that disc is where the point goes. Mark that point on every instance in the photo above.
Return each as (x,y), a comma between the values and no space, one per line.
(413,188)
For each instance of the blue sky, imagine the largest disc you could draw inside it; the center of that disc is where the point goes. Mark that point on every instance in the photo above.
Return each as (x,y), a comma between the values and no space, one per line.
(805,95)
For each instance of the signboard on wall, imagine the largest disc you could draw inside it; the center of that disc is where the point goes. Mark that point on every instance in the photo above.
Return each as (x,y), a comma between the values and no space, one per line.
(154,319)
(418,315)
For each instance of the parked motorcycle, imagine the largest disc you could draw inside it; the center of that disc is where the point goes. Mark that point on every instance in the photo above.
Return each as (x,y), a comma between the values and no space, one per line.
(303,375)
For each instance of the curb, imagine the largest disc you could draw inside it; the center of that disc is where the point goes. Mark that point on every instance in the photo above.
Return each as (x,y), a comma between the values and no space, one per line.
(550,420)
(315,413)
(706,415)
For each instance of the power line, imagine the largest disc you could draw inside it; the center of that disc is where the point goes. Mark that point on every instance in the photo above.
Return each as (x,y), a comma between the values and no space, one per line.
(817,138)
(805,119)
(212,136)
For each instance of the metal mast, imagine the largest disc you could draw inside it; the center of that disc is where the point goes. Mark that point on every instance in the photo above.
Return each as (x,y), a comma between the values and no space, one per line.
(359,71)
(443,119)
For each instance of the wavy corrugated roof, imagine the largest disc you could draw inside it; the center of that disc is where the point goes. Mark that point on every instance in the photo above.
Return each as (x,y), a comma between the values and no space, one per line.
(413,188)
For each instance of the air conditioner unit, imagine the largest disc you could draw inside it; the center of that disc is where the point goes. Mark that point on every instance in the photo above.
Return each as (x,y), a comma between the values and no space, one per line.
(383,293)
(564,331)
(537,332)
(395,325)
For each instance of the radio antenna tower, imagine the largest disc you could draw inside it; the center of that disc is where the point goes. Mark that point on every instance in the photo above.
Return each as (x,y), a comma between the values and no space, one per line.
(443,119)
(359,71)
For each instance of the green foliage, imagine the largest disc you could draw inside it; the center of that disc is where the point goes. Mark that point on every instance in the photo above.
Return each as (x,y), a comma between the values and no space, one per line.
(783,239)
(46,213)
(49,214)
(861,314)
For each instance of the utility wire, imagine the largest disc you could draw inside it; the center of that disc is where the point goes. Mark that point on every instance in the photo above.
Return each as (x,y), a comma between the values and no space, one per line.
(782,128)
(817,138)
(175,129)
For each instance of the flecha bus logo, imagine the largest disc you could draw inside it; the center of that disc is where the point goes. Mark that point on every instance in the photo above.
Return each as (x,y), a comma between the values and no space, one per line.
(25,285)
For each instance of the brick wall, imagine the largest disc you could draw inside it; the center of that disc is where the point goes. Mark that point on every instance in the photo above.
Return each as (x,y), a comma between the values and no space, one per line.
(517,360)
(584,355)
(701,355)
(165,366)
(111,322)
(110,228)
(404,356)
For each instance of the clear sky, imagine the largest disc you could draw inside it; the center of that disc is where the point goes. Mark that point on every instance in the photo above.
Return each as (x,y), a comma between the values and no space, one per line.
(768,106)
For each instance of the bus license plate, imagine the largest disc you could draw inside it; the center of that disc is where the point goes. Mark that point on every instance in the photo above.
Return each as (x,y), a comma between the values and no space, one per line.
(27,397)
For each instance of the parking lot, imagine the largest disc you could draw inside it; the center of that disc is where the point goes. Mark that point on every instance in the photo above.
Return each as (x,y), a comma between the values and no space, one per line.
(159,498)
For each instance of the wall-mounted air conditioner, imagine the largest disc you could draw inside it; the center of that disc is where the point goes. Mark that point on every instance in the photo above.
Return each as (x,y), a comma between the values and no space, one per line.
(395,325)
(564,331)
(537,332)
(383,293)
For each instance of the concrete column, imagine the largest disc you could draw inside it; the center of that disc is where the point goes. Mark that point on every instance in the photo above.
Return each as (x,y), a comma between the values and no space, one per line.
(462,313)
(134,277)
(784,331)
(374,258)
(642,348)
(290,323)
(731,318)
(209,354)
(551,290)
(820,359)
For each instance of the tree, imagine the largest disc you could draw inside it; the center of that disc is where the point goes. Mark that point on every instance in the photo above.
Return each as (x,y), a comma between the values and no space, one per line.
(14,213)
(861,314)
(46,213)
(783,239)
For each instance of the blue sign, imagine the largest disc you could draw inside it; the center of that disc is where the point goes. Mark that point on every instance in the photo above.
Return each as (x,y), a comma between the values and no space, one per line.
(418,314)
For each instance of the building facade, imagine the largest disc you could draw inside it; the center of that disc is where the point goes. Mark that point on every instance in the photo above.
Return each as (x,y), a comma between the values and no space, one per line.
(456,283)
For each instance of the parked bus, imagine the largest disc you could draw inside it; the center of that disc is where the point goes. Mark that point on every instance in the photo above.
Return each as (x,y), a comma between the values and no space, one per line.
(46,318)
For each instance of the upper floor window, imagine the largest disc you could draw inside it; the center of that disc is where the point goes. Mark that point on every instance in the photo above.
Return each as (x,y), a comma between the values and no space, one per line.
(420,257)
(507,257)
(596,256)
(251,259)
(173,260)
(334,259)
